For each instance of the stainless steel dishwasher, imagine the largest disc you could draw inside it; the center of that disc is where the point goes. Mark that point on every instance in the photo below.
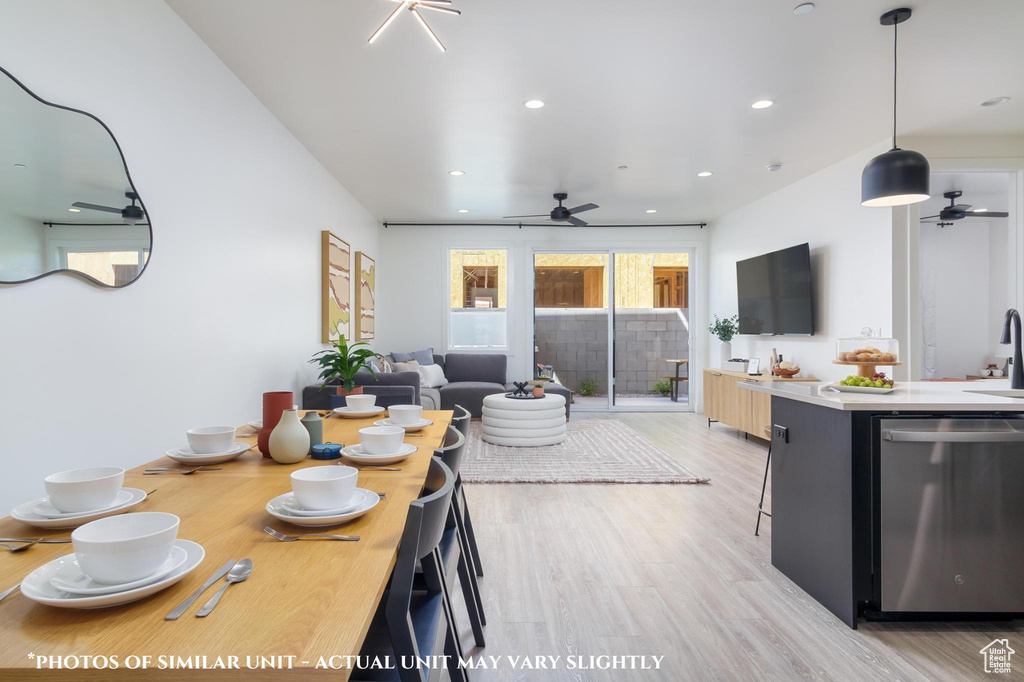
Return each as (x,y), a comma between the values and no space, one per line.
(952,515)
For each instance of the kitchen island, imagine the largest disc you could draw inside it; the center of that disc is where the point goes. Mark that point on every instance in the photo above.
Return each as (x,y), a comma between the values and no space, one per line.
(905,504)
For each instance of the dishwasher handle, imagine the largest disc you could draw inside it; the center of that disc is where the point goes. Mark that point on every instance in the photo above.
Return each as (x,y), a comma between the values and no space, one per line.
(954,436)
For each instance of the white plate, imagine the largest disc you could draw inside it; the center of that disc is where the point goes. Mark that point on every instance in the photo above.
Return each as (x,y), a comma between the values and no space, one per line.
(860,389)
(255,424)
(349,414)
(277,509)
(25,514)
(70,578)
(360,456)
(48,511)
(186,456)
(289,503)
(416,426)
(36,585)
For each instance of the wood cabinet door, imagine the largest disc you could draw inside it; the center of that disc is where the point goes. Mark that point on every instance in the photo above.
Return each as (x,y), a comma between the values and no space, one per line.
(761,414)
(740,406)
(713,396)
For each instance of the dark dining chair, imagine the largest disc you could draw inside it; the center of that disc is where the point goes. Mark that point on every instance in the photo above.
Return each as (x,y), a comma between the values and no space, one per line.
(461,420)
(417,601)
(450,453)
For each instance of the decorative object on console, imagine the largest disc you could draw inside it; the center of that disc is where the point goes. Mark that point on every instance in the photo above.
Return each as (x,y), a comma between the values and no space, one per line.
(71,193)
(342,362)
(366,288)
(786,369)
(754,367)
(725,330)
(289,441)
(336,294)
(274,404)
(899,176)
(314,425)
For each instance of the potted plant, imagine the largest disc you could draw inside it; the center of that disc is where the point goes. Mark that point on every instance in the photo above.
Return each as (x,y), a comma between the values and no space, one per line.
(725,330)
(342,361)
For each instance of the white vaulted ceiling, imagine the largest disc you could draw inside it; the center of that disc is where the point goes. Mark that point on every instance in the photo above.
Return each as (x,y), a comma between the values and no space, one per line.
(661,86)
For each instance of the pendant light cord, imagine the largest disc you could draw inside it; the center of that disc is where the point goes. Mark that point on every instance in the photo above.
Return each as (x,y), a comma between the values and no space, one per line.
(895,58)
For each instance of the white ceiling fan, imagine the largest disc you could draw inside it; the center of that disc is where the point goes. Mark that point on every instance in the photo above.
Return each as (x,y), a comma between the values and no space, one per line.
(413,6)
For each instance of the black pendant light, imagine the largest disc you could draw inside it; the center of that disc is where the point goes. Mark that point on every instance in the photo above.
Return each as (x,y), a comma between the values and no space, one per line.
(899,176)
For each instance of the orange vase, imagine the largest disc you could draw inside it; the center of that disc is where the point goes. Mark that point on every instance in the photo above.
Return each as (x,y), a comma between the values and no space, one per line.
(358,390)
(274,404)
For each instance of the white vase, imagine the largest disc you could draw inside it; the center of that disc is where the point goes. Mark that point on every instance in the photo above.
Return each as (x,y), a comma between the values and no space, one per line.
(726,350)
(289,441)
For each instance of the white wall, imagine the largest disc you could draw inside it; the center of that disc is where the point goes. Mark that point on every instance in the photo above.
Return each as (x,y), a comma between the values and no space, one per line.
(229,306)
(413,278)
(851,254)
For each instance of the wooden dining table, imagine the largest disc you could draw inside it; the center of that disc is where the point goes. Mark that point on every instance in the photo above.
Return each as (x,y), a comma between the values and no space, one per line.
(304,603)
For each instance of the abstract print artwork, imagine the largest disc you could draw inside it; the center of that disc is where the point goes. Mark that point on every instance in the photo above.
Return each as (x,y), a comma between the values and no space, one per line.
(366,291)
(336,295)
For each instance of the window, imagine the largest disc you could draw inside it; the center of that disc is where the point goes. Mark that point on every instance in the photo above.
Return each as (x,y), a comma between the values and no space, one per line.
(115,268)
(478,305)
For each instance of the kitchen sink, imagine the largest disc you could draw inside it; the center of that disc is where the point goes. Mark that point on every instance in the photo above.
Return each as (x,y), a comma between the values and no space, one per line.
(1009,393)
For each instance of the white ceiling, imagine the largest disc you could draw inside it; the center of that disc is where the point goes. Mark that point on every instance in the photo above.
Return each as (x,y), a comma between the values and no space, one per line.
(663,86)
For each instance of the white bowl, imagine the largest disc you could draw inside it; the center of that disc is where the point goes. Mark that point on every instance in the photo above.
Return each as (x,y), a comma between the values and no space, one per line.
(405,414)
(361,402)
(381,440)
(324,487)
(120,549)
(83,490)
(208,440)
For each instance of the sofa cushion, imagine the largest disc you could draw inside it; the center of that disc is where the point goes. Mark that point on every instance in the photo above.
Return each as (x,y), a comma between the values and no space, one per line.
(430,398)
(424,357)
(407,366)
(468,394)
(475,367)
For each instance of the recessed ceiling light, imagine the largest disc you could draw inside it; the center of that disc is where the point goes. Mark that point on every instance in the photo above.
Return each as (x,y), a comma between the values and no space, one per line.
(762,104)
(533,104)
(463,210)
(456,172)
(979,210)
(623,167)
(704,174)
(805,8)
(651,210)
(995,101)
(75,210)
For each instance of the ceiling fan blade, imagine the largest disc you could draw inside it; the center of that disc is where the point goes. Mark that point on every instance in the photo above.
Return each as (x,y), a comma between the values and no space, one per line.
(928,217)
(96,207)
(583,207)
(576,221)
(539,215)
(988,214)
(959,207)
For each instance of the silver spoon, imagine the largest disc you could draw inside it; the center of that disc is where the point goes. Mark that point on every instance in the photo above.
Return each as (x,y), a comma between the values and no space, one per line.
(238,573)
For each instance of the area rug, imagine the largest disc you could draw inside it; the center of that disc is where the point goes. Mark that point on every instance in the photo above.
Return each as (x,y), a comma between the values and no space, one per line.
(594,451)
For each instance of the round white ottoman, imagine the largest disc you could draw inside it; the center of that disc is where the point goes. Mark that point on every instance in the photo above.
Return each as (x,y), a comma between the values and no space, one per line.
(524,423)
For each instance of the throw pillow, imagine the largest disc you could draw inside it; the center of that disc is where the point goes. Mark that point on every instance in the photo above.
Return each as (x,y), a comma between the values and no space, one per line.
(380,365)
(411,366)
(424,357)
(432,376)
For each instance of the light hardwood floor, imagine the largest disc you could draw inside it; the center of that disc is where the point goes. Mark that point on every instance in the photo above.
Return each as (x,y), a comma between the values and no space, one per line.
(675,570)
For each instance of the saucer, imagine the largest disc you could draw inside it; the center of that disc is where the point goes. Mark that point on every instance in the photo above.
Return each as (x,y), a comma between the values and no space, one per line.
(24,512)
(46,510)
(186,456)
(291,505)
(350,414)
(277,509)
(36,585)
(415,426)
(358,455)
(256,424)
(70,578)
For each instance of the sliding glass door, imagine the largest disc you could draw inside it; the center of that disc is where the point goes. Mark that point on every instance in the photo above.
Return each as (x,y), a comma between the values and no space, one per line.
(613,327)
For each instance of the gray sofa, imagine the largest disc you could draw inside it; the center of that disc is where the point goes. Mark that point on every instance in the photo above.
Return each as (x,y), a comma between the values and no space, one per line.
(471,377)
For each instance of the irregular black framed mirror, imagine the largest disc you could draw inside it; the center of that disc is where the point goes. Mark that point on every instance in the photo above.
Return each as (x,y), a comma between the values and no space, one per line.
(67,202)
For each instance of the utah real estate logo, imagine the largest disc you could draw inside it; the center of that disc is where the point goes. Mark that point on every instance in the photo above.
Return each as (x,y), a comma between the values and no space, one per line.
(997,656)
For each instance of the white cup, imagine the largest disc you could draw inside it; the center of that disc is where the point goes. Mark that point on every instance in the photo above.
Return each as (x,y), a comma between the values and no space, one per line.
(405,414)
(324,487)
(360,402)
(208,440)
(120,549)
(82,490)
(381,440)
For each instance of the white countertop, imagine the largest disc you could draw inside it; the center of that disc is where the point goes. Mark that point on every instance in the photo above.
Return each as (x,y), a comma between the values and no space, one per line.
(909,396)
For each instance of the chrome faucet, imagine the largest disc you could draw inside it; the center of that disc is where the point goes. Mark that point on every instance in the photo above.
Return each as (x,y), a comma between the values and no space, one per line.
(1017,373)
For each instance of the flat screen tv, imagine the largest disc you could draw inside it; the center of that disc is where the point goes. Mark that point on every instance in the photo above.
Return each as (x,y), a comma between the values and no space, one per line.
(774,293)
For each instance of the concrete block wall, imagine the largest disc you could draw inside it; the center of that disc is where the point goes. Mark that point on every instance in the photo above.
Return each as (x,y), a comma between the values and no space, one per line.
(575,342)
